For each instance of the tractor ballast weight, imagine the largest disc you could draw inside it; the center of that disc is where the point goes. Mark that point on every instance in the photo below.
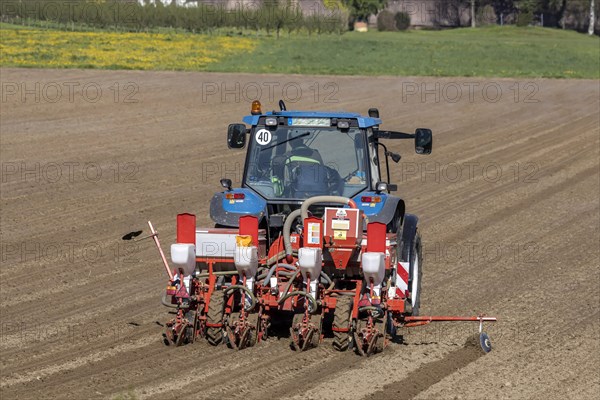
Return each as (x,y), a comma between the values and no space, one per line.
(313,231)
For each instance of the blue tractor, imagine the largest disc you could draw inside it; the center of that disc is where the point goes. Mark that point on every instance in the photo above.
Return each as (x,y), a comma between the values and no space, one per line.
(314,236)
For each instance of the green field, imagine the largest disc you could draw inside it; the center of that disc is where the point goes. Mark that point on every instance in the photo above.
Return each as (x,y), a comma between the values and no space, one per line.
(488,52)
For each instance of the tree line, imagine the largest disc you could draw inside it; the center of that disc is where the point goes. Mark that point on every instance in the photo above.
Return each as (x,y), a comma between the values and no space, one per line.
(332,16)
(575,14)
(274,16)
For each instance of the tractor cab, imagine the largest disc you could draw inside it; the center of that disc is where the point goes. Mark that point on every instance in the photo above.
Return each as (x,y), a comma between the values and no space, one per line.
(296,155)
(300,157)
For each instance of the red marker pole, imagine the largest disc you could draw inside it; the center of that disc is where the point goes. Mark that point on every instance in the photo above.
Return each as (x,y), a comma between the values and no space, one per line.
(162,255)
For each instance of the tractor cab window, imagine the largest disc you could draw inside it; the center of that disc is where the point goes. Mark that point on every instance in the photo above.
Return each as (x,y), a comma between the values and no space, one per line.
(302,162)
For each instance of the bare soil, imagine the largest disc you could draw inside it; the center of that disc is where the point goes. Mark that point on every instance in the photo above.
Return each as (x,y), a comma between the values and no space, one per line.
(509,214)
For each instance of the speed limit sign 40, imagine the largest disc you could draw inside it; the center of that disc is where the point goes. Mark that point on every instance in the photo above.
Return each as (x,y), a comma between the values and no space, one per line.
(263,137)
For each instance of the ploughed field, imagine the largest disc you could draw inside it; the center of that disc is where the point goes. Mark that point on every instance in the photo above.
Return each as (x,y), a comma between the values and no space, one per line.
(509,210)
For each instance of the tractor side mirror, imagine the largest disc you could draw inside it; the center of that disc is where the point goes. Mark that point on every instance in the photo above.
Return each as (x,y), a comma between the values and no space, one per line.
(226,183)
(236,136)
(381,187)
(385,187)
(423,141)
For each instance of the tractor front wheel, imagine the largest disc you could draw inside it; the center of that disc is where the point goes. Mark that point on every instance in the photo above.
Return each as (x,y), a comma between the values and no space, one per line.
(342,318)
(214,316)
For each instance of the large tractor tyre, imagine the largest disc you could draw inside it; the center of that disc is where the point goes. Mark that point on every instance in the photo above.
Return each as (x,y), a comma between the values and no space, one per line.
(342,317)
(415,274)
(216,306)
(410,250)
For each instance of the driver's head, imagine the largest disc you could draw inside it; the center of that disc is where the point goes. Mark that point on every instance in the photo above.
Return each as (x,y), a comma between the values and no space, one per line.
(297,139)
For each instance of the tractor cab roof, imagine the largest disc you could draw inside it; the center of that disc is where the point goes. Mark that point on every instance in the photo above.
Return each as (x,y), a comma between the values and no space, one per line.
(363,121)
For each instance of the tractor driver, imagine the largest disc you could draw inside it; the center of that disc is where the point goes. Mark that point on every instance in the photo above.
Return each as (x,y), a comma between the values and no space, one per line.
(300,172)
(300,152)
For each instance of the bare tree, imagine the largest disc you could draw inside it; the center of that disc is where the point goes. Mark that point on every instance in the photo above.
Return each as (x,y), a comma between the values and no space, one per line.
(473,23)
(592,18)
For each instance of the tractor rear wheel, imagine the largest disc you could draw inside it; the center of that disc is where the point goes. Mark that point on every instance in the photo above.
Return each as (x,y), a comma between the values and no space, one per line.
(342,317)
(412,253)
(216,306)
(416,273)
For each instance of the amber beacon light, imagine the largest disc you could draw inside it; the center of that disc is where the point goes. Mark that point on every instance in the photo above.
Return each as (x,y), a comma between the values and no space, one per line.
(256,108)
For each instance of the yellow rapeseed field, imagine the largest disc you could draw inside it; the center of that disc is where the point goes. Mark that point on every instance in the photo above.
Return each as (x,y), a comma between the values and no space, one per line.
(113,50)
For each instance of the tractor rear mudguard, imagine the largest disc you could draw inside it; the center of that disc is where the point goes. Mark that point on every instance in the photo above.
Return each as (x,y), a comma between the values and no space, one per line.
(392,204)
(227,212)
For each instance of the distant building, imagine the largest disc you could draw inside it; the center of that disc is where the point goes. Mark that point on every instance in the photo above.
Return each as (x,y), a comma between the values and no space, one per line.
(433,13)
